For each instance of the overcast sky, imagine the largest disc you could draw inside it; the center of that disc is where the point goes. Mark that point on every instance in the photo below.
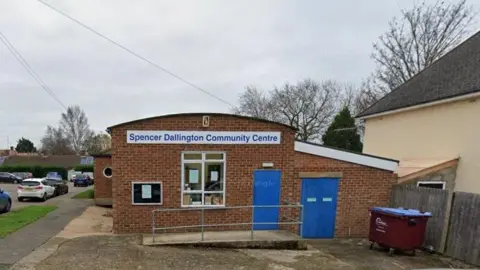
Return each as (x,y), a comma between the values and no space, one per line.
(221,46)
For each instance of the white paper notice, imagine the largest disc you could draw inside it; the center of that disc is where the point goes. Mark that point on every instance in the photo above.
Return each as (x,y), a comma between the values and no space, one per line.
(213,176)
(193,176)
(146,191)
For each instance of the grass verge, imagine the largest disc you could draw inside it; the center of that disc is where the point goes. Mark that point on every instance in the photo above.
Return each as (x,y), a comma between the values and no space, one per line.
(17,219)
(87,194)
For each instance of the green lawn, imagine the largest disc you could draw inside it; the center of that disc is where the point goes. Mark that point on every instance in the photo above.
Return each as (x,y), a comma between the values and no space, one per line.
(17,219)
(87,194)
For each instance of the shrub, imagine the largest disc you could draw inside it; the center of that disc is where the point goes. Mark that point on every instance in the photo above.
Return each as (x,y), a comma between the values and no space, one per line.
(36,170)
(83,168)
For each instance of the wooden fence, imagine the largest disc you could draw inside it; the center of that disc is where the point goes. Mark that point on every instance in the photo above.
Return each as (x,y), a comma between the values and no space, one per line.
(463,240)
(427,200)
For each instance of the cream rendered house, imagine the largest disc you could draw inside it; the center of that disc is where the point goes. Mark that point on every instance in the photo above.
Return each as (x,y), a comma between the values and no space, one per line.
(431,123)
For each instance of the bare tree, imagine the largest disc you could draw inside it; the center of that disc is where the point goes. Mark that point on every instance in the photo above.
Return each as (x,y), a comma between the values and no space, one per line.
(255,103)
(349,96)
(99,143)
(74,124)
(54,142)
(307,105)
(419,37)
(370,92)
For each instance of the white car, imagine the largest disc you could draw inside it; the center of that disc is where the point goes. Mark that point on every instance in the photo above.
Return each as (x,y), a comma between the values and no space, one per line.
(35,188)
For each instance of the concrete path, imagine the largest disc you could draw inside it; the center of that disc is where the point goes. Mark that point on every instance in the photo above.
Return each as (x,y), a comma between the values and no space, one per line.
(125,252)
(19,244)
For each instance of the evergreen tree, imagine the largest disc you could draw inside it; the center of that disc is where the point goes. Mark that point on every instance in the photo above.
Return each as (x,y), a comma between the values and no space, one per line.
(25,146)
(342,132)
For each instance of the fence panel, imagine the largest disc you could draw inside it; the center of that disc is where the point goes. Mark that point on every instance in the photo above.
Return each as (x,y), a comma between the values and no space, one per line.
(427,200)
(463,240)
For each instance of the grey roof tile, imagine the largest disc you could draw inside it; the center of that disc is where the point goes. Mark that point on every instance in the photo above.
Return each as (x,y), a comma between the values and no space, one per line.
(456,73)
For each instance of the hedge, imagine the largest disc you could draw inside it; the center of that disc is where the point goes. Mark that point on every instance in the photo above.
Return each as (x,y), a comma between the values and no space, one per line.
(36,170)
(83,168)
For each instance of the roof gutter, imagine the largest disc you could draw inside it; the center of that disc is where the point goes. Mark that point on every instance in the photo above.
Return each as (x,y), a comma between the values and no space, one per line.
(415,107)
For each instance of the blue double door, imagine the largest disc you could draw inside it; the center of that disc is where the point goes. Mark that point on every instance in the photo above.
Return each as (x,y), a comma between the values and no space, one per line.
(319,200)
(318,197)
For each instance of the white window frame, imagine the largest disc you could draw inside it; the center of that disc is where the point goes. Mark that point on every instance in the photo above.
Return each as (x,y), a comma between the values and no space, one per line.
(203,161)
(148,183)
(432,182)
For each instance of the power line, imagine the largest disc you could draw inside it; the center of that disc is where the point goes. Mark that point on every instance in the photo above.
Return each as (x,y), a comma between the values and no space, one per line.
(29,69)
(342,129)
(134,53)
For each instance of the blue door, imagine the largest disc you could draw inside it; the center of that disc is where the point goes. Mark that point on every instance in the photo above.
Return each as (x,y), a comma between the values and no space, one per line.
(319,199)
(266,191)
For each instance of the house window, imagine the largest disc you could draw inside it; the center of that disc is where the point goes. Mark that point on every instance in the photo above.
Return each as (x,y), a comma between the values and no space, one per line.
(203,179)
(147,193)
(431,184)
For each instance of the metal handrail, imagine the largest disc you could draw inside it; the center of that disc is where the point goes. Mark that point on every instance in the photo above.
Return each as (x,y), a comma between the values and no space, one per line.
(202,224)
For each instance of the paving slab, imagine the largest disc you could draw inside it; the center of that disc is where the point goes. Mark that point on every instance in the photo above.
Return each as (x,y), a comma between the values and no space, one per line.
(126,252)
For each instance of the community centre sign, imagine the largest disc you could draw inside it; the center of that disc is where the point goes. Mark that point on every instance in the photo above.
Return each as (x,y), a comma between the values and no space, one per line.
(202,137)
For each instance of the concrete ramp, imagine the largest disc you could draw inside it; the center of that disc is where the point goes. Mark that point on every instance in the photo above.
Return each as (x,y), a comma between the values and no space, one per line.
(229,239)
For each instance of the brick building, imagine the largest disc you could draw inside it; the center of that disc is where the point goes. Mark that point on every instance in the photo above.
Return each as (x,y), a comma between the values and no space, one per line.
(216,161)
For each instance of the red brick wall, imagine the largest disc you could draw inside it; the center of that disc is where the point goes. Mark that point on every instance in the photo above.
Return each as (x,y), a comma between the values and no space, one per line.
(162,162)
(360,188)
(103,185)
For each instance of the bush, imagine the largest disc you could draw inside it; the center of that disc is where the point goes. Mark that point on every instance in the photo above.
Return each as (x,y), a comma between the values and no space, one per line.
(83,168)
(36,170)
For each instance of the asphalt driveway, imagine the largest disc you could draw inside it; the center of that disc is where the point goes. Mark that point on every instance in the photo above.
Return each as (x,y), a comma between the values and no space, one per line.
(22,242)
(12,190)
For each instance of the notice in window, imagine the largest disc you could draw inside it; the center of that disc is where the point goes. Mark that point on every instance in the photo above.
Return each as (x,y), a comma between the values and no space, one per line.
(146,191)
(213,176)
(193,176)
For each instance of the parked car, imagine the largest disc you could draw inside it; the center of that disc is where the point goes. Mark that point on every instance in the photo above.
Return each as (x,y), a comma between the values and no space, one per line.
(90,175)
(82,180)
(23,175)
(59,184)
(53,174)
(5,201)
(74,173)
(9,178)
(35,188)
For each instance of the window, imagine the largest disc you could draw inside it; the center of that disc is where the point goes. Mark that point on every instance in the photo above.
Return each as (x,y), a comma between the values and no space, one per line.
(431,184)
(30,183)
(147,193)
(203,179)
(86,160)
(107,172)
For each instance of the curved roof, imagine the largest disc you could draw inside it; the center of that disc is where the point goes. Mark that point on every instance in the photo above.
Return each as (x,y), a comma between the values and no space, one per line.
(202,114)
